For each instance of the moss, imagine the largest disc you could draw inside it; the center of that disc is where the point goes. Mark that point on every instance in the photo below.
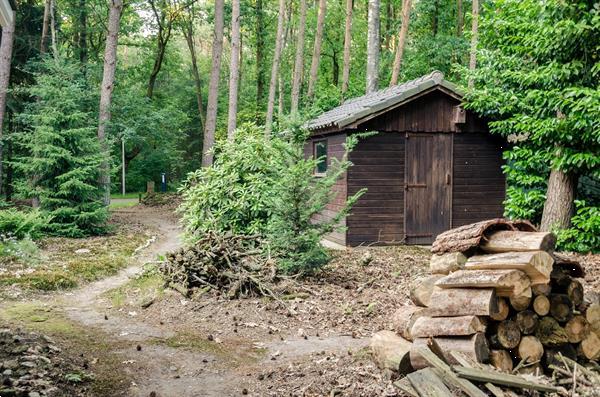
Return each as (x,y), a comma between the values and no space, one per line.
(139,291)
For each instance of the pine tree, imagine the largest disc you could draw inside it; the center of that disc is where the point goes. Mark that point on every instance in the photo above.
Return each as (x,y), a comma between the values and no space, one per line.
(62,151)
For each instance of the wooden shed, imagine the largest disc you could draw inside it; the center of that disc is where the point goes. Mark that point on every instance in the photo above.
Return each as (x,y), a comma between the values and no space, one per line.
(431,166)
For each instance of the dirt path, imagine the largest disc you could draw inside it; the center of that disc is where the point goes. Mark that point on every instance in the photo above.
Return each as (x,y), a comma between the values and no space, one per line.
(164,370)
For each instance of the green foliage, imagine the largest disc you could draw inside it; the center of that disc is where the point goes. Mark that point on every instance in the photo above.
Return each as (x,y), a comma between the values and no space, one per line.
(584,234)
(23,250)
(22,224)
(266,187)
(537,80)
(61,154)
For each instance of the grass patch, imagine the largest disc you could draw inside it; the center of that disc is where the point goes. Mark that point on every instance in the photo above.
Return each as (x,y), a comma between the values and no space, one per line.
(75,340)
(142,289)
(126,196)
(64,268)
(122,204)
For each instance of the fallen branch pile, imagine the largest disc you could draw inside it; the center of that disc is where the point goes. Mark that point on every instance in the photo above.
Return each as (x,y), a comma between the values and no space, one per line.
(231,264)
(510,302)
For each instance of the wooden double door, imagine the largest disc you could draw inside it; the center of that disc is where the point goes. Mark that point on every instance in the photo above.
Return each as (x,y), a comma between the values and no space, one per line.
(428,186)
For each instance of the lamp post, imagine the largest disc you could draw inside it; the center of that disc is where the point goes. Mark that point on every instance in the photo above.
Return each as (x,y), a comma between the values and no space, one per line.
(123,165)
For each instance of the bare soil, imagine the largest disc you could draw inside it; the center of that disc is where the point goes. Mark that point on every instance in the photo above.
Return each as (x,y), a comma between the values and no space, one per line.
(160,343)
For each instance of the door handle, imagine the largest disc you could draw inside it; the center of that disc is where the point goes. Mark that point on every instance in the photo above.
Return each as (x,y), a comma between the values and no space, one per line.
(448,179)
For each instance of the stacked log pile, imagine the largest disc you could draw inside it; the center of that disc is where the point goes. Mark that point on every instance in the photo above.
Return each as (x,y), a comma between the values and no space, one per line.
(500,297)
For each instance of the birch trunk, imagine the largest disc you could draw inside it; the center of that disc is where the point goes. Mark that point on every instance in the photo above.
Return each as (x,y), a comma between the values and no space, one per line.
(406,4)
(234,69)
(347,46)
(213,87)
(275,68)
(373,47)
(474,39)
(299,62)
(6,48)
(108,79)
(558,208)
(45,25)
(316,56)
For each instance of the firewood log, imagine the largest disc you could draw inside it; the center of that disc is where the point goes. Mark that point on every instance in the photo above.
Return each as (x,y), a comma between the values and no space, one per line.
(508,241)
(502,312)
(550,333)
(404,318)
(463,302)
(527,321)
(391,351)
(474,347)
(502,360)
(575,292)
(446,263)
(508,334)
(577,329)
(552,357)
(541,289)
(425,327)
(530,349)
(592,315)
(560,280)
(422,288)
(560,307)
(505,282)
(521,301)
(536,264)
(590,346)
(541,305)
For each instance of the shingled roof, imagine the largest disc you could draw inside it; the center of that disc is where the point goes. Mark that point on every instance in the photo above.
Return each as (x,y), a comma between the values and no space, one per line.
(358,108)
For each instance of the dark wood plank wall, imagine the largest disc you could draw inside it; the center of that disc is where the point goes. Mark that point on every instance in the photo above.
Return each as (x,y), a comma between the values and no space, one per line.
(432,112)
(378,216)
(479,185)
(335,149)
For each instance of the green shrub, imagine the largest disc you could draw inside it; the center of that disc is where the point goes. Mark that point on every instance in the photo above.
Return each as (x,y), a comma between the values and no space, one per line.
(23,250)
(584,234)
(21,224)
(266,187)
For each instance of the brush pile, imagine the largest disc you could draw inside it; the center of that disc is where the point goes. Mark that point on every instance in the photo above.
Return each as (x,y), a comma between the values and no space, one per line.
(231,264)
(497,294)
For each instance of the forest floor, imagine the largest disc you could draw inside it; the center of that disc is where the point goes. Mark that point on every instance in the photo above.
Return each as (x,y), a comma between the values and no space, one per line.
(125,335)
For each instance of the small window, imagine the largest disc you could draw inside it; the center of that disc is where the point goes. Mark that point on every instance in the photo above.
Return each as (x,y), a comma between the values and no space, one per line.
(320,154)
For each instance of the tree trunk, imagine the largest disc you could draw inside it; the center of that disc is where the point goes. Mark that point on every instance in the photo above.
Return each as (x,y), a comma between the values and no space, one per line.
(474,39)
(164,34)
(459,18)
(188,33)
(45,25)
(275,68)
(401,41)
(213,87)
(260,49)
(316,56)
(558,208)
(53,30)
(347,46)
(108,79)
(234,70)
(373,47)
(6,49)
(299,61)
(82,36)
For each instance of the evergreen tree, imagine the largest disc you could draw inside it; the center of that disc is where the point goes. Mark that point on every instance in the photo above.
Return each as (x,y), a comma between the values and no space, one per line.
(62,155)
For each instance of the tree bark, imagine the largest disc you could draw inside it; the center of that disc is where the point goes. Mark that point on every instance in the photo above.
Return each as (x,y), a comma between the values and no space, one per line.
(404,318)
(422,288)
(391,351)
(373,47)
(401,41)
(474,39)
(108,80)
(6,49)
(45,25)
(275,68)
(536,264)
(558,208)
(507,241)
(260,49)
(316,56)
(425,327)
(463,302)
(347,46)
(188,33)
(299,61)
(213,87)
(506,282)
(234,70)
(165,27)
(53,37)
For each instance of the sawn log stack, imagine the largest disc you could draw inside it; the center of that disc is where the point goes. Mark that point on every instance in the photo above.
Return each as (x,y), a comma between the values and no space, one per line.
(507,299)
